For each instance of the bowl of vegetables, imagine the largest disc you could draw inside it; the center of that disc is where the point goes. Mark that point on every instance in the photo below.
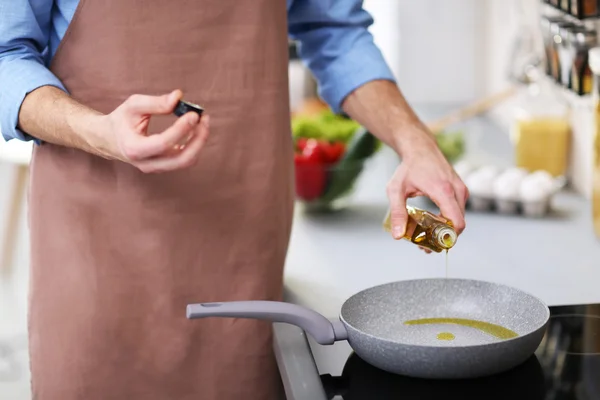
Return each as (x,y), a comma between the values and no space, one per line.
(330,152)
(452,144)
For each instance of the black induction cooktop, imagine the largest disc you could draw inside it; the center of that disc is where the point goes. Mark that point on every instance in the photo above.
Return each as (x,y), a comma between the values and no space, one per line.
(566,366)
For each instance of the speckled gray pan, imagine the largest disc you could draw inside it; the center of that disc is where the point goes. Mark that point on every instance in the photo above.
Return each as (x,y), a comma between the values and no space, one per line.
(374,322)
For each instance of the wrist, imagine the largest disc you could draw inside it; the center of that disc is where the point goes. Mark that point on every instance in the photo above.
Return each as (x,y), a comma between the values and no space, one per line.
(90,127)
(98,134)
(407,139)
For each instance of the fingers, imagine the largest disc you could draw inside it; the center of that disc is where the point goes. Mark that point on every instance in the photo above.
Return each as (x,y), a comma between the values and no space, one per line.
(185,158)
(445,198)
(139,104)
(462,195)
(142,147)
(398,213)
(462,191)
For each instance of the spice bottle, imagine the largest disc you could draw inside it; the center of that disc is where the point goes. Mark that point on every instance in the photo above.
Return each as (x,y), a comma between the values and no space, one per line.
(566,52)
(426,229)
(541,132)
(594,62)
(557,30)
(584,8)
(546,23)
(581,75)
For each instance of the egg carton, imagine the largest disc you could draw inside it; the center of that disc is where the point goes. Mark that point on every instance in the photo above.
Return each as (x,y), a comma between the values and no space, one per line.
(532,197)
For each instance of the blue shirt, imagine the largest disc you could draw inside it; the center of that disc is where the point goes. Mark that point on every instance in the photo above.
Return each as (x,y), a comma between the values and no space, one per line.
(333,35)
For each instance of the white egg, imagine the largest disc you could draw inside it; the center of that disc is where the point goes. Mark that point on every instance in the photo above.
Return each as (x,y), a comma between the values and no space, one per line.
(490,171)
(544,179)
(463,169)
(534,189)
(481,182)
(515,173)
(507,185)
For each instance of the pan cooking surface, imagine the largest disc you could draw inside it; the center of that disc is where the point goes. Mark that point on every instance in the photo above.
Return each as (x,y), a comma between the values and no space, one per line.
(566,366)
(444,312)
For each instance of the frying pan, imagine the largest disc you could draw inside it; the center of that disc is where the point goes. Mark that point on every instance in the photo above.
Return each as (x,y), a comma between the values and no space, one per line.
(374,323)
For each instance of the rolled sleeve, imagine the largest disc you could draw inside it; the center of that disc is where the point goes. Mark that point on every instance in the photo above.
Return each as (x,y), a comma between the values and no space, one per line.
(24,37)
(20,77)
(336,45)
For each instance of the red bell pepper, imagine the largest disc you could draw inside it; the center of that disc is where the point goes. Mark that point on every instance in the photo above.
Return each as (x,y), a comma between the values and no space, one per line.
(312,160)
(301,144)
(333,151)
(311,173)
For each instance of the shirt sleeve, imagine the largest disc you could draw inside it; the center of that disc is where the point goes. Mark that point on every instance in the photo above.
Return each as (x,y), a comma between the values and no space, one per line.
(24,36)
(335,43)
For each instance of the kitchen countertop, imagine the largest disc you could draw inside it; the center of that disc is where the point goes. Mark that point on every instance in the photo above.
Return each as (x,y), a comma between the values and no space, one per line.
(331,257)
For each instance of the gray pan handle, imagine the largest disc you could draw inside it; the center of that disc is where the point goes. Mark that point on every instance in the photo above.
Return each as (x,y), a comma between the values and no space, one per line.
(320,328)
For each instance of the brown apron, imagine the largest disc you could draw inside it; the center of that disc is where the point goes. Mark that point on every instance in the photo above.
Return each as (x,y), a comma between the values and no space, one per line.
(118,254)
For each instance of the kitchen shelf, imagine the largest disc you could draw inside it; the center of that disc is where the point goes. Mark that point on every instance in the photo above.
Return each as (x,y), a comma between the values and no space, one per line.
(569,16)
(575,100)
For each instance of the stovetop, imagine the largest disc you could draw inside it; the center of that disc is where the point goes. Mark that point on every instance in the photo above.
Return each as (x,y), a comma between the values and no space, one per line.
(566,366)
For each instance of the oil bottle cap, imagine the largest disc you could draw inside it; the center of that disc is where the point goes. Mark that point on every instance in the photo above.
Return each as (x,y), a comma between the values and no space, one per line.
(445,237)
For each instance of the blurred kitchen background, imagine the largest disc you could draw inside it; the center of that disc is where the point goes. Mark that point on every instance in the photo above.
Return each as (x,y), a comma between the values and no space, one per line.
(523,64)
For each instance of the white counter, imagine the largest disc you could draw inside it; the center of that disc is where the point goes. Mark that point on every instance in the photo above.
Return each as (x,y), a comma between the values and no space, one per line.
(332,257)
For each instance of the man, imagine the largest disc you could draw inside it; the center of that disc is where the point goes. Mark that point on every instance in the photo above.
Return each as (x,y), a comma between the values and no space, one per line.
(134,213)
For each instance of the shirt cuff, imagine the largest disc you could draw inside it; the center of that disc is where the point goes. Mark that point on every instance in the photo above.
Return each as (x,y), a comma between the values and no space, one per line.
(20,77)
(347,73)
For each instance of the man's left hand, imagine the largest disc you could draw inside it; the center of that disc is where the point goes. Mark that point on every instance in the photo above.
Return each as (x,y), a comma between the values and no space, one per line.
(424,171)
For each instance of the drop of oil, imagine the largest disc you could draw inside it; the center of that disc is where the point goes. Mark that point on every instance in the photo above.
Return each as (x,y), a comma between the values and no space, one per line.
(445,336)
(497,331)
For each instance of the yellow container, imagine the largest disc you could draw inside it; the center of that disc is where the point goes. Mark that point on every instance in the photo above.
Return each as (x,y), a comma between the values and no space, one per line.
(596,172)
(542,131)
(594,61)
(543,143)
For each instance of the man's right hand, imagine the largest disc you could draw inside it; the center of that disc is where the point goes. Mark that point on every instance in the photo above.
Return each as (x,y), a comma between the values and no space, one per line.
(123,135)
(51,115)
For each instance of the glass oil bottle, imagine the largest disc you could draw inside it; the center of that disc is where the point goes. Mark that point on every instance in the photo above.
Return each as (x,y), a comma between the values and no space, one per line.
(426,230)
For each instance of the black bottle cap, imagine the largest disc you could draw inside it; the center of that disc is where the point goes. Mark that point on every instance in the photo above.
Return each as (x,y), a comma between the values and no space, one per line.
(185,107)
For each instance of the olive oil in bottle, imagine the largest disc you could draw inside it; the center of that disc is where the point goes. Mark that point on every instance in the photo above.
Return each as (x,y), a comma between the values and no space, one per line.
(426,230)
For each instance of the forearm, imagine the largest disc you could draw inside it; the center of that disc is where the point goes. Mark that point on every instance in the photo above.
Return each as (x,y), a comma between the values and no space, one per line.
(381,108)
(51,115)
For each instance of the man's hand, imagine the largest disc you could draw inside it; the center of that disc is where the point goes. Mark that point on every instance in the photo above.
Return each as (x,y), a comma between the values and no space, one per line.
(52,116)
(127,138)
(425,172)
(381,108)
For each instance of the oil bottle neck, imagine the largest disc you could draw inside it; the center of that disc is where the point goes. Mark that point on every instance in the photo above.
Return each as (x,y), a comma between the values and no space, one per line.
(444,236)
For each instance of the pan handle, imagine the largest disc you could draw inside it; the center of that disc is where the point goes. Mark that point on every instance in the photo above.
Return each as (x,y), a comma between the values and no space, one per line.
(320,328)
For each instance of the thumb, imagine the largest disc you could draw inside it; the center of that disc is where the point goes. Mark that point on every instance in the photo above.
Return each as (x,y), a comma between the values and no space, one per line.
(144,105)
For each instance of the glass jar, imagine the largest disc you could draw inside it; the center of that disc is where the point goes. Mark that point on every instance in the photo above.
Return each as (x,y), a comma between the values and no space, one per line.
(594,62)
(567,52)
(541,132)
(546,23)
(556,29)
